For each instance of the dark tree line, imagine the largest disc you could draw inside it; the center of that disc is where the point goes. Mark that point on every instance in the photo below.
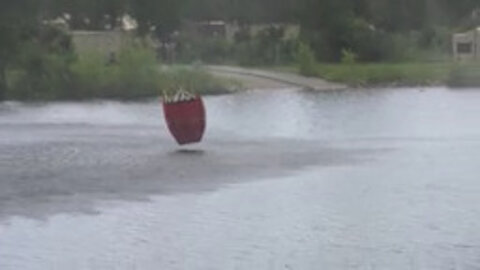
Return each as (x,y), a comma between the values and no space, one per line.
(16,21)
(388,15)
(331,25)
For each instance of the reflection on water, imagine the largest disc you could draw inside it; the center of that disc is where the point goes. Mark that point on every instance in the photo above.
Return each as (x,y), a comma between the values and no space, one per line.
(361,179)
(351,114)
(189,152)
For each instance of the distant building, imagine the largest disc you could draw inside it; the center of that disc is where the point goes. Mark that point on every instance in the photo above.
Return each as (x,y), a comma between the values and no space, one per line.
(290,31)
(103,42)
(107,42)
(208,29)
(466,46)
(228,31)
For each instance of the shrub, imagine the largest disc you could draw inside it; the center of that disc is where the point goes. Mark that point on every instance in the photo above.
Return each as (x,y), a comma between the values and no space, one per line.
(211,50)
(39,75)
(348,57)
(267,47)
(306,60)
(41,67)
(194,80)
(136,74)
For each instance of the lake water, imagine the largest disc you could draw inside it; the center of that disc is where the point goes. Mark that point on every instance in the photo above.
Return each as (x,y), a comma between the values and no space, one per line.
(285,179)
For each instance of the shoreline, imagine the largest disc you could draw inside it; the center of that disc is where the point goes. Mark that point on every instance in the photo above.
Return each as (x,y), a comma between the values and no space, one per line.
(331,77)
(408,74)
(288,77)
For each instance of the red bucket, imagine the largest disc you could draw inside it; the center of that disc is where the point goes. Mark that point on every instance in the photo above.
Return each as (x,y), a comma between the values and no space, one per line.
(185,120)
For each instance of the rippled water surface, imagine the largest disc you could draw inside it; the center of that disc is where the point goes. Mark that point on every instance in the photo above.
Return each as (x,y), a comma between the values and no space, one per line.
(361,179)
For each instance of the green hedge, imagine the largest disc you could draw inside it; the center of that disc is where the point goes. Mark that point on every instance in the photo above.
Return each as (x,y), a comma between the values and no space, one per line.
(134,74)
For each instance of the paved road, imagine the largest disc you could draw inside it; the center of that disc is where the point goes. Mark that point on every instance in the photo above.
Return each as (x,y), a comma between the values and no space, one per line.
(259,79)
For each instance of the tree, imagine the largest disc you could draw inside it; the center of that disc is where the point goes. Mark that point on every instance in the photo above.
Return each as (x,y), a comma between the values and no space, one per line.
(87,14)
(17,22)
(161,16)
(327,24)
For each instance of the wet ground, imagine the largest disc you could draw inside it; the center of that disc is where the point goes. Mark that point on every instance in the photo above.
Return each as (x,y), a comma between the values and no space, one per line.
(360,179)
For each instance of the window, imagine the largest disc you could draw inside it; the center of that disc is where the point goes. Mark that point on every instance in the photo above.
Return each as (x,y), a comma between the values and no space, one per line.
(464,47)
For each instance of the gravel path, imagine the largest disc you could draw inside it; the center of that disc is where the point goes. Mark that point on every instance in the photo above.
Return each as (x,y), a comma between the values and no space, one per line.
(256,78)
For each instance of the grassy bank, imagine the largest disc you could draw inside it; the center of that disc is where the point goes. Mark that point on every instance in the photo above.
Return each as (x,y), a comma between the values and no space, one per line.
(135,74)
(396,74)
(405,74)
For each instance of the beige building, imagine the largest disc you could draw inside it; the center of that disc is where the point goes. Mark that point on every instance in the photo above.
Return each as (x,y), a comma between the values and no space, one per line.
(466,46)
(100,42)
(227,31)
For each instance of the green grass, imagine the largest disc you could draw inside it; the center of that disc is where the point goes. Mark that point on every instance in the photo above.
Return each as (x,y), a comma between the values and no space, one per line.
(405,74)
(379,74)
(395,74)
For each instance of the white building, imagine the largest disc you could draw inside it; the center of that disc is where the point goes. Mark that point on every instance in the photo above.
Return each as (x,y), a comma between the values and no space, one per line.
(100,42)
(466,46)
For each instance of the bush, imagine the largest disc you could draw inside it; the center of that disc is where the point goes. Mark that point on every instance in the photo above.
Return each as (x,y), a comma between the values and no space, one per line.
(268,47)
(41,68)
(46,68)
(367,42)
(371,44)
(133,75)
(136,74)
(348,57)
(39,75)
(211,50)
(306,60)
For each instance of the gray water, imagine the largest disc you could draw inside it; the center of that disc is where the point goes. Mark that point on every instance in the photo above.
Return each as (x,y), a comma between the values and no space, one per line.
(361,179)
